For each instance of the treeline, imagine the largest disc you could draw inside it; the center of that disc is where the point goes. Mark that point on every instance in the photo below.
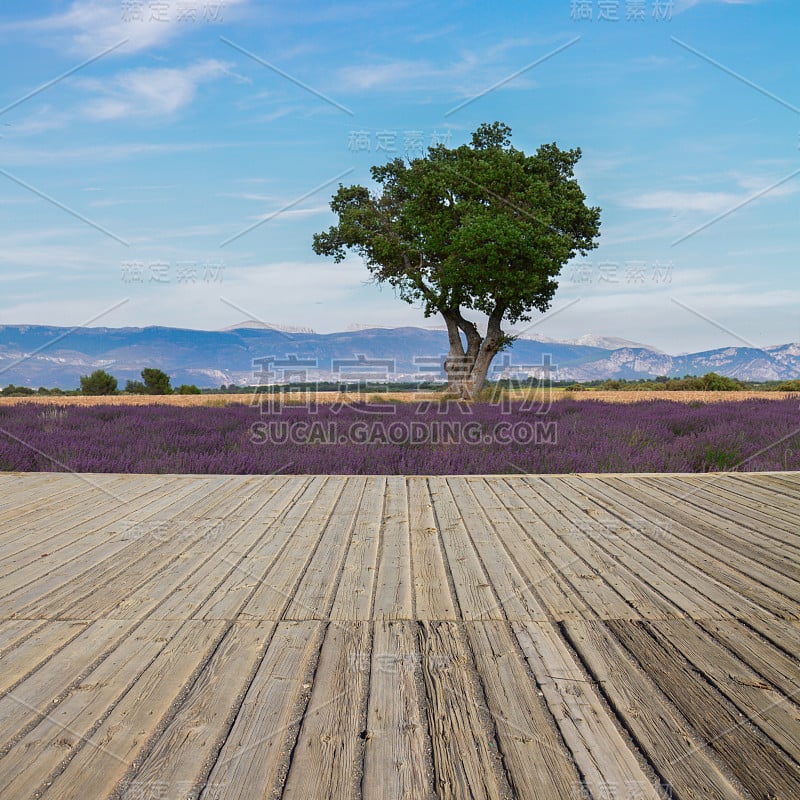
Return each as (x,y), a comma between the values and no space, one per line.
(156,382)
(99,383)
(710,382)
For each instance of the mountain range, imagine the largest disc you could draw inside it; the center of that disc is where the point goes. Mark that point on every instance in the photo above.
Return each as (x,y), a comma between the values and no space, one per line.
(41,355)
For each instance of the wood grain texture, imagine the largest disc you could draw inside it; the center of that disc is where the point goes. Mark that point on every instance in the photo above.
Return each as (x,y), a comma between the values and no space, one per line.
(400,638)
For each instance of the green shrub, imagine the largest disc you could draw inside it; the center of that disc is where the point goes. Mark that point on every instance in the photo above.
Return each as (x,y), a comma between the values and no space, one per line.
(135,387)
(154,381)
(98,383)
(712,382)
(717,458)
(17,391)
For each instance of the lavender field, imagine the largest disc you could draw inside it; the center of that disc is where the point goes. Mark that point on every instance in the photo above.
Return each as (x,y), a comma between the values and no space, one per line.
(406,438)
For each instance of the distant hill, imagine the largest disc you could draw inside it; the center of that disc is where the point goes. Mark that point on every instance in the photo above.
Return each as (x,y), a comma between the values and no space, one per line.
(40,355)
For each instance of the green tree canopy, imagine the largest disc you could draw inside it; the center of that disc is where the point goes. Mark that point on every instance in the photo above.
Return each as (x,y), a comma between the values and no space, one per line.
(135,387)
(99,382)
(154,381)
(481,227)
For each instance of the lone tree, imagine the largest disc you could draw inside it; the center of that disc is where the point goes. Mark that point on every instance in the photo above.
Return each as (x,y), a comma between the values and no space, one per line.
(481,227)
(154,381)
(99,382)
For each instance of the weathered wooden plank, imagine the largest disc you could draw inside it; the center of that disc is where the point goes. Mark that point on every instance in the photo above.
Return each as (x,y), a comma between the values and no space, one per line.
(275,590)
(393,588)
(21,496)
(327,759)
(38,690)
(13,631)
(776,511)
(465,757)
(249,569)
(784,635)
(37,507)
(137,716)
(529,550)
(760,766)
(498,557)
(23,658)
(539,766)
(774,713)
(770,578)
(669,743)
(770,498)
(178,763)
(594,538)
(741,518)
(77,539)
(76,527)
(397,765)
(66,727)
(774,666)
(651,559)
(47,683)
(432,598)
(354,595)
(474,593)
(313,596)
(697,578)
(601,754)
(256,751)
(207,558)
(608,589)
(42,589)
(151,555)
(769,569)
(780,483)
(521,524)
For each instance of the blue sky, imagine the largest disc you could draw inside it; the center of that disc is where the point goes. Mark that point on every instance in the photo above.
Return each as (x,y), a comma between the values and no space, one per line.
(140,140)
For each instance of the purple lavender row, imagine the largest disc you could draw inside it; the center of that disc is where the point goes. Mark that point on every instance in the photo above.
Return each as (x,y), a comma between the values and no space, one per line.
(567,436)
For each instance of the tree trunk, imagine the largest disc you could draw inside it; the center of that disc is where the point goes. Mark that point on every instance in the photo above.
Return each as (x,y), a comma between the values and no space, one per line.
(457,365)
(489,348)
(467,370)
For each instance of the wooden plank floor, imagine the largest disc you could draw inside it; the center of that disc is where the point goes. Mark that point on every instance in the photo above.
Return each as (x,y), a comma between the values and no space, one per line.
(612,637)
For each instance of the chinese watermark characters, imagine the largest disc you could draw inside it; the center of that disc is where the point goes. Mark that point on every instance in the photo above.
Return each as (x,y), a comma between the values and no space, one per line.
(166,272)
(632,273)
(621,10)
(171,11)
(394,141)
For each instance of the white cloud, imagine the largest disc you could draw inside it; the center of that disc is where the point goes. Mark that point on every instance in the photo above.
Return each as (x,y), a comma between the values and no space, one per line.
(710,202)
(293,212)
(401,74)
(41,121)
(757,183)
(90,26)
(760,315)
(753,186)
(39,156)
(684,5)
(149,92)
(317,294)
(478,70)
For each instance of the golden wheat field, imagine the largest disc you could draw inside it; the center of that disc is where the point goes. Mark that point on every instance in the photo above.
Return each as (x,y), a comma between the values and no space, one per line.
(402,397)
